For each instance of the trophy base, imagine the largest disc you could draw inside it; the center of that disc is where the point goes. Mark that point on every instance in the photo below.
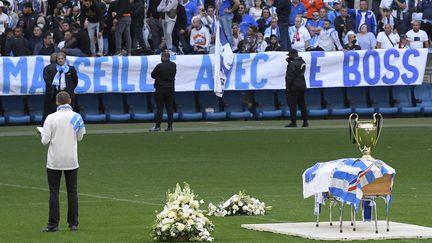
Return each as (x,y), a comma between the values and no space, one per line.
(367,157)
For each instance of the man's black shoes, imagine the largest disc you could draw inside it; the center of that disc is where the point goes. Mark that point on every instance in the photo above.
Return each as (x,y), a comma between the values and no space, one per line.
(50,229)
(168,129)
(73,228)
(154,129)
(305,124)
(292,124)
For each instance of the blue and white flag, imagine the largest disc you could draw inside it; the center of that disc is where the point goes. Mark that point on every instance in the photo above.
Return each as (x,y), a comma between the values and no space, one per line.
(224,59)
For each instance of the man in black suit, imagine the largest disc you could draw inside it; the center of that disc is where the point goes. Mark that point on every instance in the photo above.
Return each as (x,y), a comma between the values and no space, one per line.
(164,74)
(58,77)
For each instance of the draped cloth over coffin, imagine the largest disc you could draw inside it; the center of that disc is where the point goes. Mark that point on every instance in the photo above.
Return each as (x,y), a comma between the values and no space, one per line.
(343,178)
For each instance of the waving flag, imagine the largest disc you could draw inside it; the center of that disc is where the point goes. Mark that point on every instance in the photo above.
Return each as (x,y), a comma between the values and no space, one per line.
(224,58)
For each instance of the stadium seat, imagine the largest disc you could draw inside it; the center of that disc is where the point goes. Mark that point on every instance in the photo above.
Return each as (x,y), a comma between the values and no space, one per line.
(14,110)
(88,105)
(357,98)
(113,104)
(334,100)
(186,103)
(266,104)
(282,104)
(36,106)
(164,116)
(139,106)
(236,104)
(403,100)
(423,97)
(381,101)
(211,105)
(314,103)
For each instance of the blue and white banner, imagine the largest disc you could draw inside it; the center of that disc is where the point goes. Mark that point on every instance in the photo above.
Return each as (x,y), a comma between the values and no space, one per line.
(24,75)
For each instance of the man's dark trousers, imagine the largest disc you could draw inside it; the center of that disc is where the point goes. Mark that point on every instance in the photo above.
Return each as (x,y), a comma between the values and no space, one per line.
(294,98)
(71,177)
(164,97)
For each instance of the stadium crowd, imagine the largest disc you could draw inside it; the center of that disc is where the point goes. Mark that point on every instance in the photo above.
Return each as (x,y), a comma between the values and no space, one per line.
(143,27)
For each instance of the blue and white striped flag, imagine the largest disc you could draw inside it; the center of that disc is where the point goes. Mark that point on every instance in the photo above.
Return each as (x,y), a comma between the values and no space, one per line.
(224,58)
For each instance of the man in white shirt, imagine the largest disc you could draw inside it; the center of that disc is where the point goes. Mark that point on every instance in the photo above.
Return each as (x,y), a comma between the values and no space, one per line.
(200,37)
(328,38)
(273,29)
(417,38)
(4,21)
(61,131)
(299,35)
(387,39)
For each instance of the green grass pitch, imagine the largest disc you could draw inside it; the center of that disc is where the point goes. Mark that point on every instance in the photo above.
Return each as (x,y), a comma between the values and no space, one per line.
(125,173)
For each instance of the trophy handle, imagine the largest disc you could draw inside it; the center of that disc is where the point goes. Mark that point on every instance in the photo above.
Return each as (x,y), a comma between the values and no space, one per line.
(353,123)
(378,120)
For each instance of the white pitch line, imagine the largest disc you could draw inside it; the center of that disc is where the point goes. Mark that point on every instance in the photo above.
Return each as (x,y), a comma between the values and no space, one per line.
(81,194)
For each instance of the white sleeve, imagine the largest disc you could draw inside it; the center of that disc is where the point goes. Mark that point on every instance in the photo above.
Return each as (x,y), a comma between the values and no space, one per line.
(424,36)
(46,131)
(208,37)
(80,134)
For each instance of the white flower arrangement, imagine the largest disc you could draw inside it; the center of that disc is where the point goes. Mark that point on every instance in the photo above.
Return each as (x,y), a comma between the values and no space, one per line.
(181,218)
(238,204)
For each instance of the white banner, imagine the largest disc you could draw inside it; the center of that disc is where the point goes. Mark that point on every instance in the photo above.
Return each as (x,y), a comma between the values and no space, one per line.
(24,75)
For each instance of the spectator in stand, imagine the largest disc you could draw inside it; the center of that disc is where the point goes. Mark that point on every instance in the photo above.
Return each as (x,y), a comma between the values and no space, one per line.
(200,37)
(323,14)
(271,7)
(79,45)
(4,21)
(328,38)
(67,42)
(17,45)
(363,16)
(28,20)
(417,38)
(404,43)
(37,37)
(387,39)
(247,20)
(299,36)
(274,44)
(315,21)
(365,39)
(334,12)
(226,9)
(252,38)
(137,24)
(283,14)
(76,14)
(313,33)
(386,18)
(237,37)
(329,5)
(191,9)
(343,23)
(312,6)
(208,19)
(47,47)
(58,32)
(122,15)
(352,43)
(13,15)
(256,11)
(180,32)
(92,16)
(425,8)
(154,23)
(265,21)
(64,9)
(169,8)
(297,8)
(395,9)
(272,30)
(261,43)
